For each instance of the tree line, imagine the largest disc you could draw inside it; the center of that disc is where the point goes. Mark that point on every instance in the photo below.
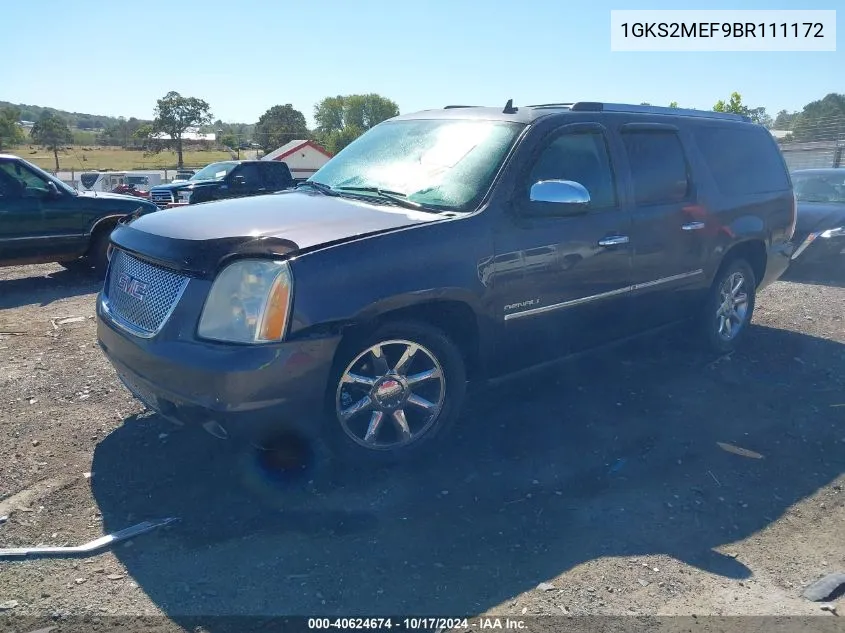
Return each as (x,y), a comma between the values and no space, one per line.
(77,120)
(820,120)
(339,121)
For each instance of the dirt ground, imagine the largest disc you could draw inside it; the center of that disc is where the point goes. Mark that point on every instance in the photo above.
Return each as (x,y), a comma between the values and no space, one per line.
(612,480)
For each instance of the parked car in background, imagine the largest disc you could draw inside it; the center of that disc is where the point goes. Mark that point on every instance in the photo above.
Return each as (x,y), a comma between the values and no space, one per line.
(820,228)
(141,181)
(226,179)
(44,220)
(441,247)
(182,175)
(130,190)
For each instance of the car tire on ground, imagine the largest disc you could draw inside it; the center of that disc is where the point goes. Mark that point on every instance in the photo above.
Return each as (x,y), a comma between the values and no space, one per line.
(729,307)
(392,394)
(99,252)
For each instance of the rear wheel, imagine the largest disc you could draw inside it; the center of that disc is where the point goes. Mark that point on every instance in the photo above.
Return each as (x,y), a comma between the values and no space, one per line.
(393,393)
(730,306)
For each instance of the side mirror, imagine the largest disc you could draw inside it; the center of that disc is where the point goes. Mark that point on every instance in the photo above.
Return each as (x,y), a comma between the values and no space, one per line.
(559,197)
(564,193)
(53,190)
(240,181)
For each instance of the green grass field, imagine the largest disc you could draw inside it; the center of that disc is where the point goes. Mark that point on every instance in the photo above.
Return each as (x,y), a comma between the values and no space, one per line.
(93,158)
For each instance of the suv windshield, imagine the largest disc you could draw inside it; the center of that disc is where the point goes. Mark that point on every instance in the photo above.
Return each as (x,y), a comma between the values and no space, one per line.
(820,187)
(439,163)
(214,171)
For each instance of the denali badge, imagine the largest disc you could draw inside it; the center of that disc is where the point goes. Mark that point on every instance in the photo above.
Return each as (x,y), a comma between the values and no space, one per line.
(523,304)
(131,286)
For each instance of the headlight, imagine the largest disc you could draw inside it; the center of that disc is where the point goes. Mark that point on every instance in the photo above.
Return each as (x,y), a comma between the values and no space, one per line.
(185,196)
(249,302)
(837,232)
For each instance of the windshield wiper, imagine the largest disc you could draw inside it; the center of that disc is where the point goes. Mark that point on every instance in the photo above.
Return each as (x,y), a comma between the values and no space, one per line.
(319,186)
(394,196)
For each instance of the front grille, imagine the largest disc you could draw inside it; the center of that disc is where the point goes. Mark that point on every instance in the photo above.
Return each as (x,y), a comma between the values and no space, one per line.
(161,198)
(141,295)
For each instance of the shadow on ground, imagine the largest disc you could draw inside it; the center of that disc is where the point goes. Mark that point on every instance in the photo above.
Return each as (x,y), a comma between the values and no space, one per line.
(45,289)
(612,456)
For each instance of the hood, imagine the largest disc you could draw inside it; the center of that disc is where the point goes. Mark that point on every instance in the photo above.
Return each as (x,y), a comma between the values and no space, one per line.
(116,202)
(107,196)
(184,184)
(197,237)
(819,216)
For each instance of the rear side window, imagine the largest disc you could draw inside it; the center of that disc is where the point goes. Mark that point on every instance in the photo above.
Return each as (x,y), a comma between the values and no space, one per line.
(658,166)
(742,160)
(276,175)
(251,174)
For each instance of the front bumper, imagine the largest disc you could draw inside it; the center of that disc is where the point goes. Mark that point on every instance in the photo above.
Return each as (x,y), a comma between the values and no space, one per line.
(249,391)
(820,247)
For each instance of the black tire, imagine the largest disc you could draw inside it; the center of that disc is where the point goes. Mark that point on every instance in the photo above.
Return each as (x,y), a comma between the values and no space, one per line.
(710,322)
(435,349)
(98,253)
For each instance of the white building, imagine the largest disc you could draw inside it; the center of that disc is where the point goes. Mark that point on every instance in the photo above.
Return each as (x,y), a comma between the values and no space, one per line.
(190,134)
(302,157)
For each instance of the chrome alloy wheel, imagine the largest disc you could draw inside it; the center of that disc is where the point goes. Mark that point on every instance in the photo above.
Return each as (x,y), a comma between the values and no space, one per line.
(390,395)
(733,308)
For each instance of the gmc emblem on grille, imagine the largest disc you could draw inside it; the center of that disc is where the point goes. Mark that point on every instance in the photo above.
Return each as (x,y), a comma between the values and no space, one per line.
(133,287)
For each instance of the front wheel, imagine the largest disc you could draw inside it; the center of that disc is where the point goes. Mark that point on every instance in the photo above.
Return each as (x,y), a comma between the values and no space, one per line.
(392,394)
(730,306)
(99,253)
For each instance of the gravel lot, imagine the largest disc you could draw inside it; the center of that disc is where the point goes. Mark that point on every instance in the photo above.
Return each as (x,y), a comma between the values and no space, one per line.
(611,479)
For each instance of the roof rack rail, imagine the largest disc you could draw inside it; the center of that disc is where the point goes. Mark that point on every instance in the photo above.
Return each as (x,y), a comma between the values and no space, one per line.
(596,106)
(551,105)
(449,107)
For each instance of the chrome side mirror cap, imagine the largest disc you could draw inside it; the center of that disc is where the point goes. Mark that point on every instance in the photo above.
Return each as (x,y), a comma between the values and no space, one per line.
(565,192)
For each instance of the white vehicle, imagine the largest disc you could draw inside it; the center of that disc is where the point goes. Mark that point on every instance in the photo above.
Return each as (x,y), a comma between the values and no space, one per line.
(183,175)
(108,180)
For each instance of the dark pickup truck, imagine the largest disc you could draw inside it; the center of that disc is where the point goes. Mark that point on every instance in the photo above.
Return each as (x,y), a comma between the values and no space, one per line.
(441,248)
(226,179)
(44,220)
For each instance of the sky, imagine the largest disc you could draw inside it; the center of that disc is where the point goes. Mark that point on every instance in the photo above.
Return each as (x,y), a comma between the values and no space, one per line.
(244,57)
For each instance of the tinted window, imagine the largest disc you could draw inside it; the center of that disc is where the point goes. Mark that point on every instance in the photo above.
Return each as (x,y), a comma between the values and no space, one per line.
(658,166)
(22,181)
(251,175)
(276,175)
(10,187)
(742,161)
(88,180)
(582,158)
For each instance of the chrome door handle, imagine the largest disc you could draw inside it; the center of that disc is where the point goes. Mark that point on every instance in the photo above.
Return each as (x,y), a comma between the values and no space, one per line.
(614,241)
(693,226)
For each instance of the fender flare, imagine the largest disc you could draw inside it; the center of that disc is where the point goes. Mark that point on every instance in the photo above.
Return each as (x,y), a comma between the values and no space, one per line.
(105,219)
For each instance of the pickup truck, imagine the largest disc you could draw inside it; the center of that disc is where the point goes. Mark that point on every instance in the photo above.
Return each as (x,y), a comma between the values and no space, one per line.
(44,220)
(226,179)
